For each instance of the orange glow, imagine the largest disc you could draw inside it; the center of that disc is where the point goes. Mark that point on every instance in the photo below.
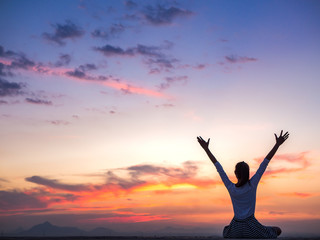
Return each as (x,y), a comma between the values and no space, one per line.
(129,219)
(163,187)
(168,194)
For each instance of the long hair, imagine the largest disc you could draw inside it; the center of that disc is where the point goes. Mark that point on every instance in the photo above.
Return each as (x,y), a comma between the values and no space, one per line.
(242,173)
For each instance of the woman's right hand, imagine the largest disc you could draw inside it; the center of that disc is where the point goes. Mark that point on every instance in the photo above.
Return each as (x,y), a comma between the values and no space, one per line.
(281,138)
(203,143)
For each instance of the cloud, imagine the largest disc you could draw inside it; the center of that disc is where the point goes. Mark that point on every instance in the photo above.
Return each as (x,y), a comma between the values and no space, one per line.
(38,101)
(130,4)
(87,67)
(149,174)
(154,57)
(68,30)
(298,194)
(112,32)
(200,66)
(150,51)
(64,60)
(59,122)
(10,88)
(132,178)
(300,161)
(77,74)
(188,170)
(4,180)
(171,80)
(109,50)
(18,200)
(55,184)
(278,213)
(4,70)
(13,60)
(114,181)
(158,65)
(238,59)
(22,62)
(166,105)
(7,53)
(129,89)
(119,184)
(161,15)
(80,72)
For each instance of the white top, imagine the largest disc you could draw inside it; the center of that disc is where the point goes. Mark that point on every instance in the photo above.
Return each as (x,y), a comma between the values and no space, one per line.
(243,198)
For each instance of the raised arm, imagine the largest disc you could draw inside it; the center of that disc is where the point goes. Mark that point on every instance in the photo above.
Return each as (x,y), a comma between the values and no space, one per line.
(205,146)
(279,141)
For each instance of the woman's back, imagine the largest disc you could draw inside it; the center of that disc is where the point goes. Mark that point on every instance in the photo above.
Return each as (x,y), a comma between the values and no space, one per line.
(243,198)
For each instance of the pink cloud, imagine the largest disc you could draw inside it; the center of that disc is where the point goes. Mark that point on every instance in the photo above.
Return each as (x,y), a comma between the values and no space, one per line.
(128,88)
(299,158)
(130,217)
(298,194)
(81,75)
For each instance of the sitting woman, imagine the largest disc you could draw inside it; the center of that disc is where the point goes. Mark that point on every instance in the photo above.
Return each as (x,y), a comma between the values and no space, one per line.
(243,195)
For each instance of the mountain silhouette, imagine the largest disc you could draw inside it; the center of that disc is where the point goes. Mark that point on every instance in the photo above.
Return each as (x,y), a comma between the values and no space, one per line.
(47,229)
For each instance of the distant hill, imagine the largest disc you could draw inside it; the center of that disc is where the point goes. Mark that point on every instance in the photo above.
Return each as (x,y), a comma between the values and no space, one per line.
(47,229)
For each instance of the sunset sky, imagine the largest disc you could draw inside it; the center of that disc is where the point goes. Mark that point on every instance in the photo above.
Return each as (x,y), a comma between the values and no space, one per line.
(101,103)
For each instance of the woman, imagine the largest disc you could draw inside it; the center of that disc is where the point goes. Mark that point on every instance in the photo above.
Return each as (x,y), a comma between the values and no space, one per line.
(243,195)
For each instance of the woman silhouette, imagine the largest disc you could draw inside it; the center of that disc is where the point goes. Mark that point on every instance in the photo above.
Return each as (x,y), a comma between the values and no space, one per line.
(243,195)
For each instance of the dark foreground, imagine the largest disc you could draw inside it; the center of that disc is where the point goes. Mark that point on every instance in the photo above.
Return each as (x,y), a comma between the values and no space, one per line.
(142,238)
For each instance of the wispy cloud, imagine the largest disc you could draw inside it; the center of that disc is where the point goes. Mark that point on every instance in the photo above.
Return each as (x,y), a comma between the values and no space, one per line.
(19,200)
(58,122)
(62,32)
(153,56)
(171,80)
(10,88)
(112,32)
(10,60)
(165,105)
(130,4)
(150,51)
(301,159)
(161,15)
(82,72)
(298,194)
(64,60)
(239,59)
(38,101)
(4,180)
(53,183)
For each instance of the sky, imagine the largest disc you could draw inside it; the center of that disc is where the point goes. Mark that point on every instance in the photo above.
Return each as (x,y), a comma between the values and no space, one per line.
(101,103)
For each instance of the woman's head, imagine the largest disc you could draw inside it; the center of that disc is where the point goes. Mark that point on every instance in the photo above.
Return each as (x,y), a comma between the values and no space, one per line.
(242,173)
